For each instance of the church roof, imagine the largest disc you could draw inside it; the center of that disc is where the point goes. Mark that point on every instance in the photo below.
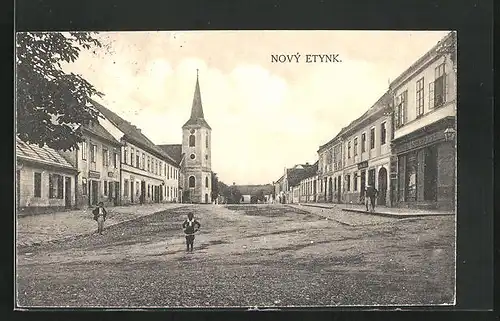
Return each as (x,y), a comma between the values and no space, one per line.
(197,116)
(173,150)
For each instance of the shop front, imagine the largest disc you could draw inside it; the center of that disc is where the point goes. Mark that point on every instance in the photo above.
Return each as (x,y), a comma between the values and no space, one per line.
(426,167)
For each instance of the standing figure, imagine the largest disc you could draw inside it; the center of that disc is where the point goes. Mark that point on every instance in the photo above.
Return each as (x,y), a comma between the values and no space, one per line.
(370,195)
(190,227)
(100,217)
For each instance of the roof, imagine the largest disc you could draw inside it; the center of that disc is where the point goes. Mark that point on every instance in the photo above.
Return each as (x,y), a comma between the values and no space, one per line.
(173,150)
(43,155)
(295,175)
(197,116)
(254,189)
(132,133)
(100,131)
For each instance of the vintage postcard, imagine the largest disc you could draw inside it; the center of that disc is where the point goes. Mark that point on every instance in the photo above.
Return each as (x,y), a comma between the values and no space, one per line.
(249,169)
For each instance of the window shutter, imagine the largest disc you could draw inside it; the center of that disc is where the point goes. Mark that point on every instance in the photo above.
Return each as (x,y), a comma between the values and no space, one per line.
(431,95)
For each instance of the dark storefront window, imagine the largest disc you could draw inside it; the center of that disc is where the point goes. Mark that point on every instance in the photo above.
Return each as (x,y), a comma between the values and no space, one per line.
(411,177)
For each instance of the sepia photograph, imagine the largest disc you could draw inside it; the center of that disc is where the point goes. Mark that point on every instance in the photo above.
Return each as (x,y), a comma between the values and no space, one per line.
(235,169)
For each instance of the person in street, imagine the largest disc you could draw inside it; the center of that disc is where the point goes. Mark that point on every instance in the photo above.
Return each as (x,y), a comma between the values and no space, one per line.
(370,195)
(190,227)
(100,217)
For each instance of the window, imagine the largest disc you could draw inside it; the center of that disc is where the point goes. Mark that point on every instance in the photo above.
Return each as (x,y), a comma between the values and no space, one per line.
(105,157)
(348,181)
(125,155)
(401,107)
(84,186)
(55,186)
(355,181)
(355,146)
(349,150)
(93,153)
(192,181)
(149,166)
(192,141)
(110,188)
(420,97)
(192,156)
(132,157)
(143,161)
(206,182)
(363,142)
(37,180)
(105,185)
(206,157)
(372,138)
(84,150)
(168,191)
(149,190)
(137,160)
(206,141)
(125,188)
(115,160)
(383,133)
(437,89)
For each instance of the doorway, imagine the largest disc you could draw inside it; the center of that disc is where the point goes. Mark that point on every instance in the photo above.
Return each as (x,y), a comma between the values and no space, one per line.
(326,186)
(143,192)
(330,190)
(117,193)
(131,191)
(339,188)
(371,177)
(363,186)
(94,192)
(67,192)
(382,186)
(430,174)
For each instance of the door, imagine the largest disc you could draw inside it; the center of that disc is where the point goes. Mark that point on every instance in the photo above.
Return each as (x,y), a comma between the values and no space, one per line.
(363,186)
(143,191)
(132,191)
(330,190)
(94,192)
(430,174)
(117,193)
(382,186)
(339,188)
(67,192)
(326,186)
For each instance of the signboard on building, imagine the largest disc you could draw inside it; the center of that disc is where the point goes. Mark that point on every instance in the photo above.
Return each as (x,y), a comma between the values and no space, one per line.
(94,174)
(363,164)
(419,142)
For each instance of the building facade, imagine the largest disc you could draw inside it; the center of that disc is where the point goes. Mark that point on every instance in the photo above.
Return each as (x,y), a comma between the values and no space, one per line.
(367,153)
(45,180)
(97,159)
(197,146)
(308,185)
(424,109)
(148,174)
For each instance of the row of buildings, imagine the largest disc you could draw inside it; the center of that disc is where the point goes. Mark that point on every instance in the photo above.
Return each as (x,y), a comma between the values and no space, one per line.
(118,165)
(404,144)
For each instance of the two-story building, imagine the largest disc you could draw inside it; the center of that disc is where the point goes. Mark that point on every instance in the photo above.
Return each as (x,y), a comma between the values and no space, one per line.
(367,152)
(330,170)
(424,110)
(148,174)
(97,159)
(175,152)
(45,180)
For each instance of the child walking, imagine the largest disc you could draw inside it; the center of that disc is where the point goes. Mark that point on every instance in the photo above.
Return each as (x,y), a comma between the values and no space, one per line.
(190,227)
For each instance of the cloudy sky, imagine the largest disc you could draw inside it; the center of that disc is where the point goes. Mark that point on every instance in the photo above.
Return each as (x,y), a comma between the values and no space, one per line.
(264,115)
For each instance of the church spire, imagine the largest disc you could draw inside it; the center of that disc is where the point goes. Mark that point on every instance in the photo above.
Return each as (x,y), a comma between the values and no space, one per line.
(197,116)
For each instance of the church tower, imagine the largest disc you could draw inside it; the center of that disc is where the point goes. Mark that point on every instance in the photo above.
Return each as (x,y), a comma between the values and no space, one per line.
(196,147)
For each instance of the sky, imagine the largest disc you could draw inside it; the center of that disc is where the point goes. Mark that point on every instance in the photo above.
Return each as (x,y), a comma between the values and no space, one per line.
(265,115)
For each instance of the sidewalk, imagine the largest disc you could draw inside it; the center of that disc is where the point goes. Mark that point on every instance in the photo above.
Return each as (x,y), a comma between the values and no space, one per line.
(41,228)
(395,212)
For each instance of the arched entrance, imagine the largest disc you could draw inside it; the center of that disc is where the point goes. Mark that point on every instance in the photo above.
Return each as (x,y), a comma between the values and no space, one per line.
(382,186)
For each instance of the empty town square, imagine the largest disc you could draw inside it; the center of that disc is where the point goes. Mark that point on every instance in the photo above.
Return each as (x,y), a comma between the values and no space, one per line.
(247,255)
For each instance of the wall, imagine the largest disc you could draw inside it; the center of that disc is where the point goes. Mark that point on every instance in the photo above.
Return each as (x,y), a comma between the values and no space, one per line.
(26,193)
(430,114)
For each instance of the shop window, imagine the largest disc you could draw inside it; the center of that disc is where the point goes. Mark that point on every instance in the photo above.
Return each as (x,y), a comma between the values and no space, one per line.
(348,181)
(355,182)
(411,177)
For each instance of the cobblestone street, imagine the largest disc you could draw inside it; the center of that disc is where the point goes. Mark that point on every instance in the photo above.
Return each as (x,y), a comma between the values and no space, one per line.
(246,255)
